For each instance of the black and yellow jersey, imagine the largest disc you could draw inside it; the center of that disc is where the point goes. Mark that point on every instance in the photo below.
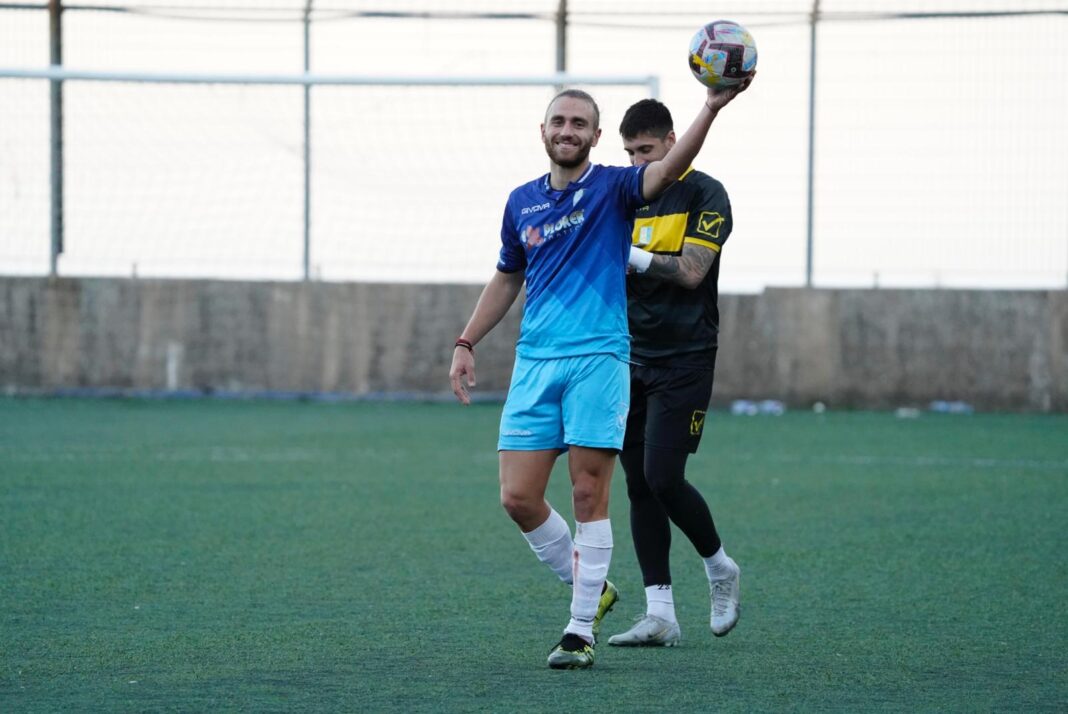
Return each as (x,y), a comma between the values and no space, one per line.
(669,323)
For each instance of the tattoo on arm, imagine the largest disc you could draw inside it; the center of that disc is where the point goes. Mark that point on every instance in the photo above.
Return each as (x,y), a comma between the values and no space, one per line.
(687,270)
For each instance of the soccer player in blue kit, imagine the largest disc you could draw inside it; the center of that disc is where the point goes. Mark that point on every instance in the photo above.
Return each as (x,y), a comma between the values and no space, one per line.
(567,236)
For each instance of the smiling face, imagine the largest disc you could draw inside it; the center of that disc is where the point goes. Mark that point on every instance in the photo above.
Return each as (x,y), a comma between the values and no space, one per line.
(570,131)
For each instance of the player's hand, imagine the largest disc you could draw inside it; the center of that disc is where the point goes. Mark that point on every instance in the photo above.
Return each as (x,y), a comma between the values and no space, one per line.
(719,98)
(462,373)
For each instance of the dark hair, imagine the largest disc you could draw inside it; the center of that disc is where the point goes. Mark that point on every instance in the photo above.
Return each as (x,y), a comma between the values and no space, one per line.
(649,116)
(584,96)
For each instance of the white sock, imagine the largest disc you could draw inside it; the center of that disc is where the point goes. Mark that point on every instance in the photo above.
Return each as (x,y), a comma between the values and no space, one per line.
(716,564)
(593,553)
(660,602)
(551,542)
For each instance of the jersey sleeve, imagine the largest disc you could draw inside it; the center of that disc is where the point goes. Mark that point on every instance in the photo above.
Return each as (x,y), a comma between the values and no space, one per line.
(631,180)
(512,257)
(710,222)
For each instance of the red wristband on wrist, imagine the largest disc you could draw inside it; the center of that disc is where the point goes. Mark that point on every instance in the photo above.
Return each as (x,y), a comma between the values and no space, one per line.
(466,344)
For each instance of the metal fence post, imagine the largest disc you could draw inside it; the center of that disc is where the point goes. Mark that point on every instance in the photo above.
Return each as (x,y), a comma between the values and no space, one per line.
(55,55)
(307,141)
(811,138)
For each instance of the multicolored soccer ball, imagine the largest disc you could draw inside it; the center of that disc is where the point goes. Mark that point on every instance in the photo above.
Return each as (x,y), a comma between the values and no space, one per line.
(722,54)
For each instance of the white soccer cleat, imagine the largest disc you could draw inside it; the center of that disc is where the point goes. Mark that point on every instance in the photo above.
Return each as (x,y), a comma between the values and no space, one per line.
(650,631)
(725,607)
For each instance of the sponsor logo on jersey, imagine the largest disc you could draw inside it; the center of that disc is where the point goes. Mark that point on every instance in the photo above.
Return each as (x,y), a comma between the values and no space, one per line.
(645,235)
(708,223)
(532,237)
(564,225)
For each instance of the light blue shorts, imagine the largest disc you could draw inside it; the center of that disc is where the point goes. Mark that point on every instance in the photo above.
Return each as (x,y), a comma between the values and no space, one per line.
(570,401)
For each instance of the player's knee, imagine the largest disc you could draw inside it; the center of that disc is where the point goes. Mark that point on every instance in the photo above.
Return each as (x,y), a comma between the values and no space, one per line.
(632,459)
(663,482)
(665,474)
(637,488)
(520,507)
(590,500)
(665,487)
(583,497)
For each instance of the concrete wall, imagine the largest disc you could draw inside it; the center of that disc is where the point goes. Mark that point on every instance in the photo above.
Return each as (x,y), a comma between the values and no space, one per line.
(999,350)
(848,348)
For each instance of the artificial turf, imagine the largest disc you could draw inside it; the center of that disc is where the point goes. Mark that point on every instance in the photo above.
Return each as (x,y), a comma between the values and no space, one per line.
(286,556)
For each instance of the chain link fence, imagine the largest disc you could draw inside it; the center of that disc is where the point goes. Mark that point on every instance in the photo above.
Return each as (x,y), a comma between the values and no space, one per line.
(924,146)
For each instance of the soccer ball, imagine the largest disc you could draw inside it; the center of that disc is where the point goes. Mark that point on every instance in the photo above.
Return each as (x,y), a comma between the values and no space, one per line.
(722,54)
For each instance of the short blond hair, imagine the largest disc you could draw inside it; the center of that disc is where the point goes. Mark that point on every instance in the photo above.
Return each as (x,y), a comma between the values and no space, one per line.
(578,94)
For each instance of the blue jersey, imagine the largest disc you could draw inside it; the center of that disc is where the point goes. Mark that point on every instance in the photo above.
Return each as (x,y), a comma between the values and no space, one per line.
(573,245)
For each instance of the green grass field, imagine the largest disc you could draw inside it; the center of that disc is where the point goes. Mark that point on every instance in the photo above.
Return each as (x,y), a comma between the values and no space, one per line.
(272,556)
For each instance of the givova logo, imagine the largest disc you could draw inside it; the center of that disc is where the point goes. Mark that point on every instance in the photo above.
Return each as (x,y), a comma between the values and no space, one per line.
(534,209)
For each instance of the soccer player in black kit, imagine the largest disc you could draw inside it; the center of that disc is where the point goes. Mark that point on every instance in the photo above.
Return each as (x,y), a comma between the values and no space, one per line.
(674,323)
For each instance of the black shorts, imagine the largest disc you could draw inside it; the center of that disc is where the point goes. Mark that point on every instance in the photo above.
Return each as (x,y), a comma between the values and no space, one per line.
(668,406)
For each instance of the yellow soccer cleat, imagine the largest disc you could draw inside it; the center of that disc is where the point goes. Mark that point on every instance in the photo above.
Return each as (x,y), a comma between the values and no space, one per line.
(609,598)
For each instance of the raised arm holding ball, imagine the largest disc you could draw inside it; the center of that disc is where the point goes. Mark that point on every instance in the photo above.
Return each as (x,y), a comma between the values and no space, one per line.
(566,235)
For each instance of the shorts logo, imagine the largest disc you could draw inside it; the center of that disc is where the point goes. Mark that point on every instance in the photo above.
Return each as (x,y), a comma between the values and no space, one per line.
(518,432)
(697,422)
(708,223)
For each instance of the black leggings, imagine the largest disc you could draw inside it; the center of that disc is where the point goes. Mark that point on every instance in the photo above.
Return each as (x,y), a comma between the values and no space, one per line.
(660,495)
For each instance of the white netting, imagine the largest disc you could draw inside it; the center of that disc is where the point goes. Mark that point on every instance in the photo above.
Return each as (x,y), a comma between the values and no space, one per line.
(939,150)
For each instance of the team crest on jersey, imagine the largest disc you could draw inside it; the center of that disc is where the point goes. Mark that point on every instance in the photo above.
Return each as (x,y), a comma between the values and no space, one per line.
(708,223)
(697,422)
